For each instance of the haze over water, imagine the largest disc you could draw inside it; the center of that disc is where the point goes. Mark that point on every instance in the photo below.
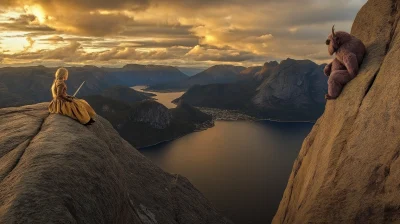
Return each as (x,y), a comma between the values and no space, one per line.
(242,167)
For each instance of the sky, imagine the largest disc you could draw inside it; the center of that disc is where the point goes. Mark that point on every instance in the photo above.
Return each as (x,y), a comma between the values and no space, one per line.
(185,33)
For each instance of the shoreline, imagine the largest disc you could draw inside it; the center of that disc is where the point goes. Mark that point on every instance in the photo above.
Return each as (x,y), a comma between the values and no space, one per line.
(233,115)
(217,115)
(203,126)
(224,114)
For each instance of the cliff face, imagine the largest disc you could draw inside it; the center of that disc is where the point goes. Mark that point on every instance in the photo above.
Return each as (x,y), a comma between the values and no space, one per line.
(290,85)
(292,90)
(53,169)
(348,170)
(266,70)
(153,113)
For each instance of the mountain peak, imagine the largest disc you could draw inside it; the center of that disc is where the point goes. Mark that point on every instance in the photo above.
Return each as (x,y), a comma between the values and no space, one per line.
(290,61)
(271,64)
(139,66)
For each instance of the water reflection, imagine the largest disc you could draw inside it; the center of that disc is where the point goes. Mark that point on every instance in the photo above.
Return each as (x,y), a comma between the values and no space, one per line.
(242,167)
(163,98)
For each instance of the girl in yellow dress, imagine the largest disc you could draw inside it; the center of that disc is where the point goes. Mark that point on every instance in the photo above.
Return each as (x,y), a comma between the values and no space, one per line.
(70,106)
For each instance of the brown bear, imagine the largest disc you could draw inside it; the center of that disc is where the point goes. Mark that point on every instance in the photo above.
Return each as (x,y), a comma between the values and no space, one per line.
(349,52)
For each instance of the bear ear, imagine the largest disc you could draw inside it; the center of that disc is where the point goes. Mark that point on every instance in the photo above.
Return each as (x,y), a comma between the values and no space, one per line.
(327,42)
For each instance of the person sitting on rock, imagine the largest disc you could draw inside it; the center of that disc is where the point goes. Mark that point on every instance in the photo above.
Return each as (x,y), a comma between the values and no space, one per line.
(70,106)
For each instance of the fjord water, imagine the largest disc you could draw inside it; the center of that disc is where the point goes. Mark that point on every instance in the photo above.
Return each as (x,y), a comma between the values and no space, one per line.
(163,98)
(242,167)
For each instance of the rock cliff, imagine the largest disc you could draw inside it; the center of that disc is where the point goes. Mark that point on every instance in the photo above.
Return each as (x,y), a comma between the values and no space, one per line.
(348,170)
(266,70)
(294,85)
(55,170)
(151,112)
(292,90)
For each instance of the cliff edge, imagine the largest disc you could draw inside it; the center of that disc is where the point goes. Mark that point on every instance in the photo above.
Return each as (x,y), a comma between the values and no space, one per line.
(53,169)
(348,170)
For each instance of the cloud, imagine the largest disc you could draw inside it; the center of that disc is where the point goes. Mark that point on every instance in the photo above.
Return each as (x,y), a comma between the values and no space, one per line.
(74,52)
(80,4)
(187,42)
(30,44)
(25,22)
(187,31)
(54,39)
(94,24)
(200,53)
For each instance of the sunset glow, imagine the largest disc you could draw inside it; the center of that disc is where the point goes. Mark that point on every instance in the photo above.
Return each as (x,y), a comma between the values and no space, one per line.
(181,33)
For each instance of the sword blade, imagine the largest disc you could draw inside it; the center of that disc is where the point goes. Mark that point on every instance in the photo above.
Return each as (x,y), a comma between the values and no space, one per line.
(79,88)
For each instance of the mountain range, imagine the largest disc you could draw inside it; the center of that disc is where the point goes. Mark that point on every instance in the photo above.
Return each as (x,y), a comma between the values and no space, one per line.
(212,75)
(27,85)
(291,90)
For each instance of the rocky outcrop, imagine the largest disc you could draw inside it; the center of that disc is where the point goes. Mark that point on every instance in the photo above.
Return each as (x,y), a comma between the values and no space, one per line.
(290,85)
(250,72)
(292,90)
(348,170)
(266,70)
(55,170)
(151,112)
(191,115)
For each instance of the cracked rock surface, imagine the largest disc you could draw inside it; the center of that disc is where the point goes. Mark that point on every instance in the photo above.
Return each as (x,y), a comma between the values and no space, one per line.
(55,170)
(348,170)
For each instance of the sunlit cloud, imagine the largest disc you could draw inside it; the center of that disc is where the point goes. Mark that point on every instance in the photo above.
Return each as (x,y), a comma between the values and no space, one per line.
(175,32)
(30,44)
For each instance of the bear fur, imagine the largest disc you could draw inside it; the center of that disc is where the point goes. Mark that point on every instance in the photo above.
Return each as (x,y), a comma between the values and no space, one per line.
(349,52)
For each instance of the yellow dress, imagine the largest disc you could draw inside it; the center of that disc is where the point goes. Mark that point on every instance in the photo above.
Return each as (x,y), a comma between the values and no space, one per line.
(77,109)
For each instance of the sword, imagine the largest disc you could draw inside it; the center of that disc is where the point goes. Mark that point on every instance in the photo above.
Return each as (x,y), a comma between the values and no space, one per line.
(78,89)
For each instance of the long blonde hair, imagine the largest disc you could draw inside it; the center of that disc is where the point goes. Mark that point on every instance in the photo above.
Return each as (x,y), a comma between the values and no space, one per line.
(61,74)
